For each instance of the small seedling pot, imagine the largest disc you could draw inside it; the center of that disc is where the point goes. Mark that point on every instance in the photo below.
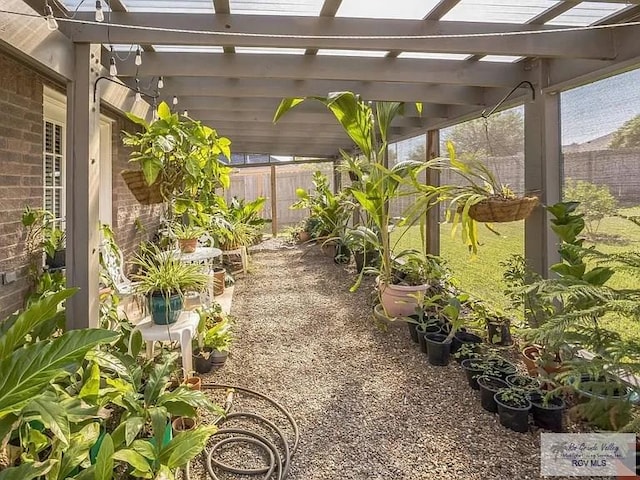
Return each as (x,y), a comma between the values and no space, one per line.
(194,383)
(425,329)
(183,424)
(514,418)
(547,415)
(438,349)
(471,372)
(461,338)
(489,386)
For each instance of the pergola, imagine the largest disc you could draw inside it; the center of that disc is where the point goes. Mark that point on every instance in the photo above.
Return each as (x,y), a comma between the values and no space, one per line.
(230,62)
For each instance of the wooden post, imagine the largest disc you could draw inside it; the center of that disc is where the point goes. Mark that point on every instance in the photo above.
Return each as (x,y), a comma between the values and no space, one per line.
(83,189)
(432,238)
(274,202)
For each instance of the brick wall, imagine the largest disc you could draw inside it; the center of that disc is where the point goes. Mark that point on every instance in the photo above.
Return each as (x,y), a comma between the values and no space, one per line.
(21,146)
(20,170)
(128,214)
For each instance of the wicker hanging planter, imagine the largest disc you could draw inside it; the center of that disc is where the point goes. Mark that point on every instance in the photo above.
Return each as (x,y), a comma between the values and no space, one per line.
(144,193)
(498,209)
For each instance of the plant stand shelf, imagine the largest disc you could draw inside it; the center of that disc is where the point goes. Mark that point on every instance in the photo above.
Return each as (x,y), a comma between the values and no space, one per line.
(183,331)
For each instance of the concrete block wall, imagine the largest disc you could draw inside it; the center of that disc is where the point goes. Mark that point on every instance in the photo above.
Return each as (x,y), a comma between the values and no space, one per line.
(21,172)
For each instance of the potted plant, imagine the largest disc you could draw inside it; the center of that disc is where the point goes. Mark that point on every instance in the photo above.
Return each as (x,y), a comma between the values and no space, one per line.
(164,279)
(213,339)
(439,344)
(178,158)
(187,236)
(43,235)
(489,386)
(547,410)
(523,382)
(513,409)
(219,339)
(483,198)
(377,184)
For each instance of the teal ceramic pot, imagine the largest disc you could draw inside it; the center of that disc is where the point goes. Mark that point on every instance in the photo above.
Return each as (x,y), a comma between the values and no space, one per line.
(165,310)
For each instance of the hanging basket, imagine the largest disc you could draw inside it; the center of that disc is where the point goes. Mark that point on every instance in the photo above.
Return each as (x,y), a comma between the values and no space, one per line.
(144,193)
(497,209)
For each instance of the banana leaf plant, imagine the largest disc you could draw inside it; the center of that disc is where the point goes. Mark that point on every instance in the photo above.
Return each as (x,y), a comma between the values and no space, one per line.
(367,124)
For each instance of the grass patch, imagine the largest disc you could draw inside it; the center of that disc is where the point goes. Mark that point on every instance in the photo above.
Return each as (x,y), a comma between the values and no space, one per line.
(481,276)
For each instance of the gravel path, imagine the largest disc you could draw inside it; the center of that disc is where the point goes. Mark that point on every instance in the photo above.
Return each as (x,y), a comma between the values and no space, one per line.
(368,404)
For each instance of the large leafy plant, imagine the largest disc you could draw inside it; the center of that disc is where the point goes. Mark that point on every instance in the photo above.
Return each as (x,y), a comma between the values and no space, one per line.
(367,124)
(180,153)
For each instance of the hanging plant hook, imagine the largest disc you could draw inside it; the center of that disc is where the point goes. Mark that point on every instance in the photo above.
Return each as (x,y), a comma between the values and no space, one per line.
(484,113)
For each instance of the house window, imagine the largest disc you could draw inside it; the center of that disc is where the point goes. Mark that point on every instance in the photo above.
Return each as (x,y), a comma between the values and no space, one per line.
(54,162)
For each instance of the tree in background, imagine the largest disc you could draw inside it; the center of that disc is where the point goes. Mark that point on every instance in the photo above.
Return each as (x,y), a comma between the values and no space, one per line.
(596,202)
(506,135)
(628,135)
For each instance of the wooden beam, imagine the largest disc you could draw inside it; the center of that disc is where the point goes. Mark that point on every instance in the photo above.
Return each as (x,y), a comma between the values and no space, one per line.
(329,9)
(368,90)
(302,67)
(289,32)
(441,9)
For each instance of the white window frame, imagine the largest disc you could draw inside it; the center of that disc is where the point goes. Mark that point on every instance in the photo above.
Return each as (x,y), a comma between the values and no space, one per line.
(55,112)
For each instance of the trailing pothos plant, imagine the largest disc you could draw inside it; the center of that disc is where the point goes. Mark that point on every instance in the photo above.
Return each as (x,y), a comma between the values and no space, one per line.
(180,153)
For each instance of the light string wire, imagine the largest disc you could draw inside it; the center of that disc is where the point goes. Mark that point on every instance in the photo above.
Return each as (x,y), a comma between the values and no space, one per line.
(337,37)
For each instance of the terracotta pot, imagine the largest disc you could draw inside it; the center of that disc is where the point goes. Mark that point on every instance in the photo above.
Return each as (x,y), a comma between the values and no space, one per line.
(219,274)
(183,424)
(188,245)
(194,383)
(304,236)
(398,300)
(530,355)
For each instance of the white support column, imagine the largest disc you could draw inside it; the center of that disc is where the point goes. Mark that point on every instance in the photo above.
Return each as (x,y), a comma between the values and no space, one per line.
(83,188)
(542,173)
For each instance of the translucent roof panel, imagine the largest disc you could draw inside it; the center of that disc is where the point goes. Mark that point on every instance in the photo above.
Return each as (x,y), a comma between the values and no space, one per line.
(500,58)
(168,6)
(436,56)
(402,9)
(188,48)
(498,11)
(267,50)
(353,53)
(587,13)
(276,7)
(80,6)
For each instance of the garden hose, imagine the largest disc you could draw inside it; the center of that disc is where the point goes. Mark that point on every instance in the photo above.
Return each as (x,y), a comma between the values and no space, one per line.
(279,459)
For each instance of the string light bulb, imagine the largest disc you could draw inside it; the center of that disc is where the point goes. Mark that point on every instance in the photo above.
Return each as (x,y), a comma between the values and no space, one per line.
(99,11)
(52,23)
(113,70)
(138,96)
(175,100)
(160,83)
(185,113)
(138,60)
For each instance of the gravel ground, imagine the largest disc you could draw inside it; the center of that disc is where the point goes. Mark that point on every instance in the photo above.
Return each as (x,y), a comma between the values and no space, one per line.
(368,404)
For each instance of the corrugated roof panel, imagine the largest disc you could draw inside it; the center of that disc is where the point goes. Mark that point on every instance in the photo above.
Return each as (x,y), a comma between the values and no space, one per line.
(498,11)
(352,53)
(276,7)
(269,50)
(587,13)
(436,56)
(500,58)
(400,9)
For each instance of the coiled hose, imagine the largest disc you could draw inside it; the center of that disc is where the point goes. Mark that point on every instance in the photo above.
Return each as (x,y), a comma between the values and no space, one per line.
(279,461)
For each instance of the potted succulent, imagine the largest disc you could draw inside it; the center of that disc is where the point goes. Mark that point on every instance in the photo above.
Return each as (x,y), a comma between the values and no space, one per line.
(513,409)
(164,279)
(187,236)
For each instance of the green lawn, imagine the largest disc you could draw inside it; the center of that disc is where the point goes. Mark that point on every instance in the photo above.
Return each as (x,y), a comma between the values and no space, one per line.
(482,275)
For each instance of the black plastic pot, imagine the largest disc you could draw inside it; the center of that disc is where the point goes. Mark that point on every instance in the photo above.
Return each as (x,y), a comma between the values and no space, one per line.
(499,333)
(218,358)
(343,254)
(464,337)
(438,349)
(424,329)
(514,418)
(489,386)
(201,364)
(523,381)
(58,259)
(471,372)
(547,415)
(413,333)
(371,259)
(504,367)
